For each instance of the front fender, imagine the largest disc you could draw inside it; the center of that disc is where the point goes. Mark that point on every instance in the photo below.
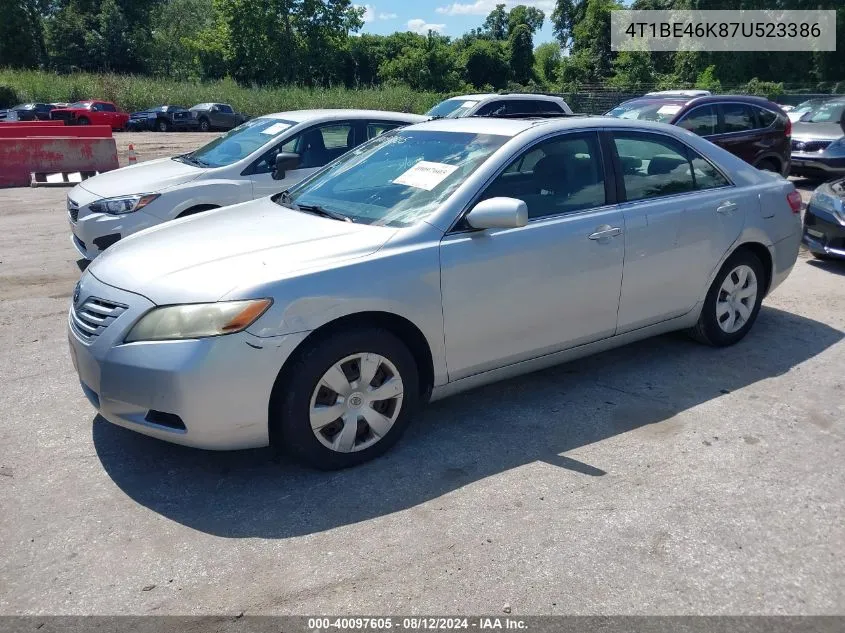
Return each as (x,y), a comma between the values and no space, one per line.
(218,192)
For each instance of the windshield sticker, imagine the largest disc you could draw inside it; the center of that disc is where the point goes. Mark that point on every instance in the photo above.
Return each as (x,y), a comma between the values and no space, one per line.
(425,175)
(669,109)
(275,129)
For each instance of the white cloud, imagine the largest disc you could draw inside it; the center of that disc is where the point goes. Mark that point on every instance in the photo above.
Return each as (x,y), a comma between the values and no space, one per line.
(387,16)
(369,12)
(483,7)
(422,27)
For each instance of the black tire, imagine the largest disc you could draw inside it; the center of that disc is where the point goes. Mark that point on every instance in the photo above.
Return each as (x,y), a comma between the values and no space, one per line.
(708,330)
(822,256)
(205,126)
(768,165)
(290,427)
(83,121)
(162,125)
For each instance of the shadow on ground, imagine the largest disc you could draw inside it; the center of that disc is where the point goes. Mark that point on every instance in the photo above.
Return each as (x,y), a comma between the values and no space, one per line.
(457,441)
(835,266)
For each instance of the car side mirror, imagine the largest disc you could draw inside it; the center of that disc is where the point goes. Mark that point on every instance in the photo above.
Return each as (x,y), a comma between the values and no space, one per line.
(498,213)
(285,161)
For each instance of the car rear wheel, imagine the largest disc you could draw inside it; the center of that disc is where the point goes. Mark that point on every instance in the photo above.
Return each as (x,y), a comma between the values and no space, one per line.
(204,125)
(162,125)
(768,165)
(733,301)
(346,399)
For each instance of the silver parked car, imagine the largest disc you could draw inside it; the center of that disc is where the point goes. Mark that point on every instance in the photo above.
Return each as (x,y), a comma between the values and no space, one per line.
(432,259)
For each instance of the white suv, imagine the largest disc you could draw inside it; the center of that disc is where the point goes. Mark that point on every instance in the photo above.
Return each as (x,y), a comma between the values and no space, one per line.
(508,104)
(236,167)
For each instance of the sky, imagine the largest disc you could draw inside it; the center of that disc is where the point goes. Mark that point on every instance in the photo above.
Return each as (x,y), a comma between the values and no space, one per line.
(449,18)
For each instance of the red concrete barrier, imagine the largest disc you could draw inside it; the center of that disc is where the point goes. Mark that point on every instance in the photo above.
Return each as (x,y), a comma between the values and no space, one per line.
(27,123)
(69,131)
(21,156)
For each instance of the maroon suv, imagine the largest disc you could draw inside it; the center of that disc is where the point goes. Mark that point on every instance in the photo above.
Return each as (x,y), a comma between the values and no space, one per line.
(753,128)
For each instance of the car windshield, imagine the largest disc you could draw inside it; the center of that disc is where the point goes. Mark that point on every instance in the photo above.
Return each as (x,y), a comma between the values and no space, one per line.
(827,113)
(80,104)
(661,110)
(23,106)
(452,108)
(397,179)
(239,142)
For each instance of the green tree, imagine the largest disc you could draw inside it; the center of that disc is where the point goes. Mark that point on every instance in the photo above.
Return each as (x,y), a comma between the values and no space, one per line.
(496,23)
(707,80)
(633,71)
(530,16)
(521,54)
(22,33)
(176,27)
(424,63)
(547,59)
(485,63)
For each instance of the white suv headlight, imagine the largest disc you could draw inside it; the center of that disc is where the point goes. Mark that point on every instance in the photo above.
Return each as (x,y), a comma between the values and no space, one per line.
(122,204)
(197,320)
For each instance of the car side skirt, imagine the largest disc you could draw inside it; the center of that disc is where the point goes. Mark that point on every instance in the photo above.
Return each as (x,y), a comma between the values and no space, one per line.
(556,358)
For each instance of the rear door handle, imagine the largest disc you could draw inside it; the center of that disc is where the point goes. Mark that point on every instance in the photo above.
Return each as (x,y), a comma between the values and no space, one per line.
(605,231)
(726,208)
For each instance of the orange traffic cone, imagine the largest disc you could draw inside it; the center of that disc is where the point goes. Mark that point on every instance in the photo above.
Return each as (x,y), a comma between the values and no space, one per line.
(132,159)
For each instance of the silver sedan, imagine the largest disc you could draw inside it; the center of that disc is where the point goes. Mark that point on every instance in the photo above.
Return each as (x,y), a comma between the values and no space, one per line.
(430,260)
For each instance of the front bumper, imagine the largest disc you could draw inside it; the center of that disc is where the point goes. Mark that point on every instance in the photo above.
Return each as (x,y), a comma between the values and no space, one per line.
(218,388)
(92,233)
(816,165)
(823,234)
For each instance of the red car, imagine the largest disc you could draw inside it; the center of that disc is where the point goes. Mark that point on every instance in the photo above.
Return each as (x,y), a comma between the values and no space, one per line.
(92,113)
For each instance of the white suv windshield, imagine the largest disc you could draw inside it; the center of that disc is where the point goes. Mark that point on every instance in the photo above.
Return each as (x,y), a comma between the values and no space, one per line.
(452,108)
(660,110)
(397,179)
(238,143)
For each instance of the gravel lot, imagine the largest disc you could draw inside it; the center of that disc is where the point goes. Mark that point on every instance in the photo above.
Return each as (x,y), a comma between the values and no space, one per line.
(661,478)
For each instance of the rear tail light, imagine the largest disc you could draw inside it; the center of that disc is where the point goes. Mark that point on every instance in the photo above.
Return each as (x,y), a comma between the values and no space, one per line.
(794,200)
(788,127)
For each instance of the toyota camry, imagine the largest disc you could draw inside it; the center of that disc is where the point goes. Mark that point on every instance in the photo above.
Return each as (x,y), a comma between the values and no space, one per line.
(432,259)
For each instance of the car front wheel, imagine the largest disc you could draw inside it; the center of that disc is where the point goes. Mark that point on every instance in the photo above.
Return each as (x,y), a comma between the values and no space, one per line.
(733,301)
(204,125)
(346,399)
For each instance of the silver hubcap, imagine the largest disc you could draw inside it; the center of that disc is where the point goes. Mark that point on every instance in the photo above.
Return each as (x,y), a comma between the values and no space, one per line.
(736,299)
(356,402)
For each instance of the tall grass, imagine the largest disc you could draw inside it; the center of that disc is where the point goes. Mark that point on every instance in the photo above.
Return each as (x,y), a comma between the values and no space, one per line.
(136,93)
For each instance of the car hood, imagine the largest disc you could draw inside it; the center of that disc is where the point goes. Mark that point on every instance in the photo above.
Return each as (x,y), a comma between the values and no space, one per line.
(148,177)
(208,256)
(816,131)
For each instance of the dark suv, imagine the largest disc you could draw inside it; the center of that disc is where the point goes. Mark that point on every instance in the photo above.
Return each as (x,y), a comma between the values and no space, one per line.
(753,128)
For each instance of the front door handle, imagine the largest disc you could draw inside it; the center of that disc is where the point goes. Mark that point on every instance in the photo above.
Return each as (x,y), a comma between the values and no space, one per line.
(605,231)
(726,208)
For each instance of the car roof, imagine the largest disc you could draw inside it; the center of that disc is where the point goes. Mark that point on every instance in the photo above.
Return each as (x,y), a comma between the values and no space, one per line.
(506,95)
(513,127)
(689,101)
(338,114)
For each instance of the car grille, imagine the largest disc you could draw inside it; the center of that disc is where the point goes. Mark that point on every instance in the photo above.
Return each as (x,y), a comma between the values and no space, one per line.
(72,210)
(94,315)
(809,146)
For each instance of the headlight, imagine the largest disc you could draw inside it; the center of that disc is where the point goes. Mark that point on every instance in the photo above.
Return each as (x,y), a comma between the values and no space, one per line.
(197,320)
(122,204)
(837,147)
(833,205)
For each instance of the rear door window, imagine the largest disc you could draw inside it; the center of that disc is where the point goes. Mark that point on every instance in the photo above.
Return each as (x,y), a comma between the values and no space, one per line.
(765,118)
(518,107)
(653,166)
(737,118)
(377,128)
(703,120)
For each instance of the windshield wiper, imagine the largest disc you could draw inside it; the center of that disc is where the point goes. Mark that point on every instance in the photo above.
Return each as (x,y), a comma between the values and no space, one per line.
(190,160)
(318,210)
